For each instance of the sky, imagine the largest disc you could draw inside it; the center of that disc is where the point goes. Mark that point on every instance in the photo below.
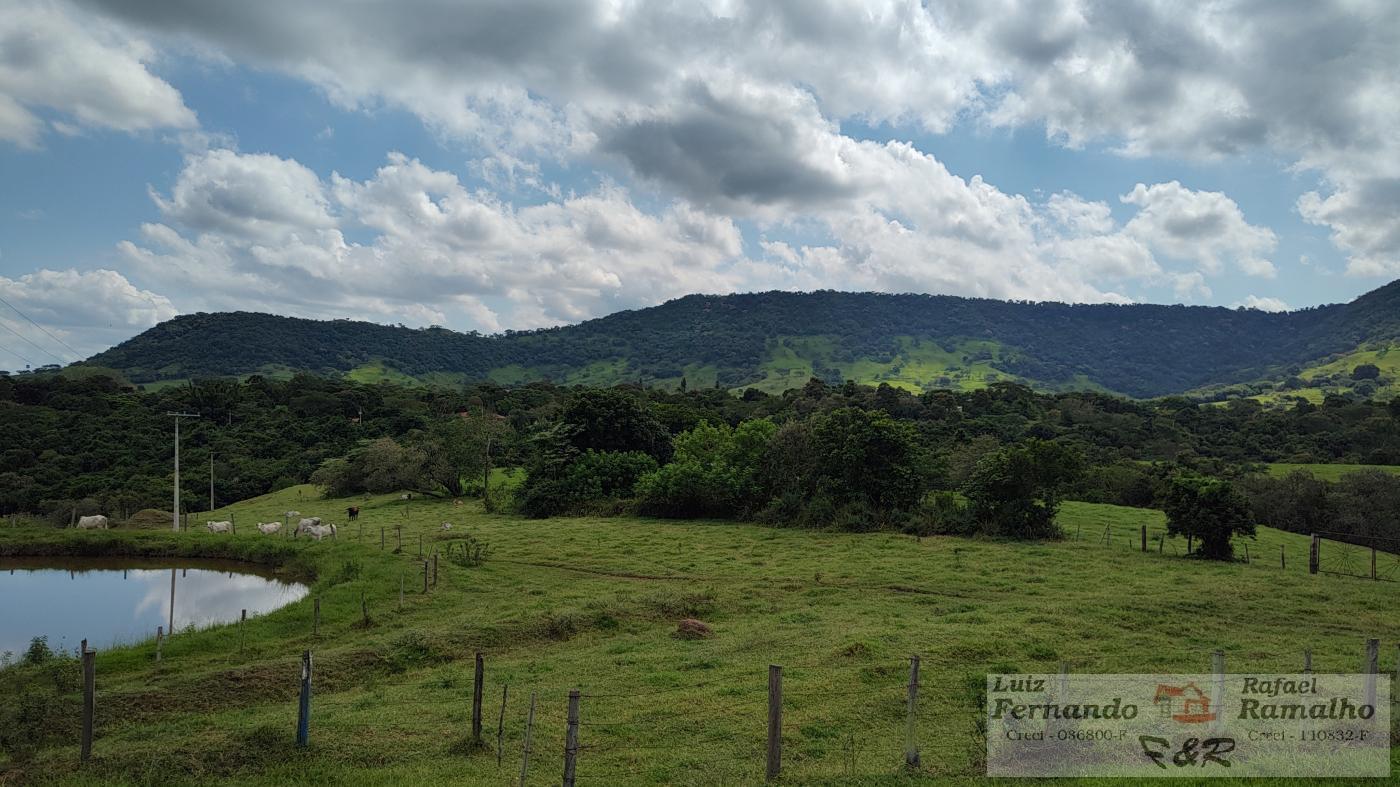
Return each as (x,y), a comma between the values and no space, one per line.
(515,164)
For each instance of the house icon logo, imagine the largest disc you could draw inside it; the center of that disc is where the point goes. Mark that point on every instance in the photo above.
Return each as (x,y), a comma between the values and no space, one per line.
(1186,704)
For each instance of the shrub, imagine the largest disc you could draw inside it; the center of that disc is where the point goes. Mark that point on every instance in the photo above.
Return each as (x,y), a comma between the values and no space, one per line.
(1209,509)
(1015,492)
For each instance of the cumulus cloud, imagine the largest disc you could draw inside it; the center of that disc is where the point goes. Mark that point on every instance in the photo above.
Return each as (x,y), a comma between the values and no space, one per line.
(1205,227)
(87,310)
(85,68)
(1263,304)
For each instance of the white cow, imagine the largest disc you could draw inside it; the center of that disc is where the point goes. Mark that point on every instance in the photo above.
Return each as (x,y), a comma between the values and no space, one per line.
(319,532)
(94,522)
(292,514)
(446,525)
(268,528)
(305,525)
(220,527)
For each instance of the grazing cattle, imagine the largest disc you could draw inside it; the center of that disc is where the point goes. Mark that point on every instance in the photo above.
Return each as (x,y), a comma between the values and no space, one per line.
(319,532)
(219,527)
(268,528)
(94,522)
(406,496)
(291,514)
(457,501)
(446,525)
(353,512)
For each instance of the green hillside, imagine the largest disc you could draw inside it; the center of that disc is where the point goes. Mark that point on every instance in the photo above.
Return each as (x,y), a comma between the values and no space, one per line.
(778,340)
(591,604)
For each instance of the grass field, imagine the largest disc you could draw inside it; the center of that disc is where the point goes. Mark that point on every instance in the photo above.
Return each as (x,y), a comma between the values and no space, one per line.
(591,604)
(1328,472)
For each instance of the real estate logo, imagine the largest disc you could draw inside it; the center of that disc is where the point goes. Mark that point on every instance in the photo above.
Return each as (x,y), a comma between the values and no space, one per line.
(1188,725)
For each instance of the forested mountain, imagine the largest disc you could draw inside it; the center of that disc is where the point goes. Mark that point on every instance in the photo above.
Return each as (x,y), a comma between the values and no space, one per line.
(778,340)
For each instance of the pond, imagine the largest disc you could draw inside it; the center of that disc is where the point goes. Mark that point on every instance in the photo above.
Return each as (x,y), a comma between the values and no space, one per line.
(111,601)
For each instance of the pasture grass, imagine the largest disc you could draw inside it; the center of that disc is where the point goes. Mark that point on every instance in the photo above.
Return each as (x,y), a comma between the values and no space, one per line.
(1327,472)
(591,604)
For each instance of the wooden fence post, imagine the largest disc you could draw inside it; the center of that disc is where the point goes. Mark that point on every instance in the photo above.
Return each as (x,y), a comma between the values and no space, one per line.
(1373,559)
(1144,538)
(89,700)
(1282,559)
(501,726)
(1217,668)
(1373,658)
(775,722)
(1314,555)
(476,698)
(1307,661)
(242,622)
(304,703)
(571,740)
(425,577)
(160,635)
(1190,544)
(398,539)
(435,566)
(525,751)
(316,616)
(911,745)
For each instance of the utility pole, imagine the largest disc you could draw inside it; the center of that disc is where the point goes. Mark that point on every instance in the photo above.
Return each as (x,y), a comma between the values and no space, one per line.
(177,417)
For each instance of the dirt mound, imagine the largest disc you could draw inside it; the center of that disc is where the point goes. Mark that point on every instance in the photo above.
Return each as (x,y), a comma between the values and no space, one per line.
(149,517)
(690,628)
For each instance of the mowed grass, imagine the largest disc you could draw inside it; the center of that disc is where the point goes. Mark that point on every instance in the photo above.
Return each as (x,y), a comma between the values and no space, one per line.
(1328,472)
(591,604)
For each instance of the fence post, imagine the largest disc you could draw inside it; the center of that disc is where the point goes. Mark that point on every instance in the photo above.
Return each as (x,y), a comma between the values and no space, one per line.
(425,577)
(1144,538)
(242,637)
(775,722)
(398,539)
(1217,668)
(89,700)
(1314,555)
(1307,661)
(1282,559)
(316,616)
(1373,657)
(1373,559)
(501,726)
(571,740)
(160,635)
(304,703)
(525,752)
(435,572)
(911,746)
(476,698)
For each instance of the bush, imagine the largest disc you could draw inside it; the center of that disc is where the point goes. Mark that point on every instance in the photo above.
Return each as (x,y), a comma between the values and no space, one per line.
(1015,492)
(1210,510)
(593,476)
(715,472)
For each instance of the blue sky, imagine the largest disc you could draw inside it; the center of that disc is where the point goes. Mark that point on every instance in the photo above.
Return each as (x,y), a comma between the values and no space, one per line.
(513,165)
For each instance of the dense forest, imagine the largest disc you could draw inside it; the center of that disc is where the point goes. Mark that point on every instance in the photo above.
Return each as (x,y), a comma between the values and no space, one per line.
(1138,350)
(823,455)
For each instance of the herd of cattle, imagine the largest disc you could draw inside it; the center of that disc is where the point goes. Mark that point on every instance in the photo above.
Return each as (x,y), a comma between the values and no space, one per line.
(309,526)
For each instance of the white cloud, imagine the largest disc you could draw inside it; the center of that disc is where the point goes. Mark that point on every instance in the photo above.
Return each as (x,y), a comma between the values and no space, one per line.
(1263,304)
(84,67)
(1205,227)
(89,310)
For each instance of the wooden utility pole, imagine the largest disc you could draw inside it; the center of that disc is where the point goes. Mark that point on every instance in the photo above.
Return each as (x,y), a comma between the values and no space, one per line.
(176,510)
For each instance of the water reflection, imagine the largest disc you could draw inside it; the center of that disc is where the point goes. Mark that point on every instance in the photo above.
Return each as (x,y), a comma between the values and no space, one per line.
(110,601)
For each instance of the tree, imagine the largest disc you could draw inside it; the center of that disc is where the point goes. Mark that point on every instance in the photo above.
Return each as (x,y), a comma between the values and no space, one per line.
(1366,371)
(613,419)
(1015,492)
(716,471)
(1210,510)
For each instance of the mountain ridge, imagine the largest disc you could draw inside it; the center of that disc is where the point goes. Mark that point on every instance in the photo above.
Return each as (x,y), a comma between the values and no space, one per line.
(774,339)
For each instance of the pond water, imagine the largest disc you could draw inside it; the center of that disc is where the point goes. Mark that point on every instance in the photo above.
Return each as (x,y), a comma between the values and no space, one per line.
(111,601)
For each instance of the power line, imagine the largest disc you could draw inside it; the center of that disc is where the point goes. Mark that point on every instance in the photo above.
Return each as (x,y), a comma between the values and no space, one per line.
(76,354)
(31,343)
(17,355)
